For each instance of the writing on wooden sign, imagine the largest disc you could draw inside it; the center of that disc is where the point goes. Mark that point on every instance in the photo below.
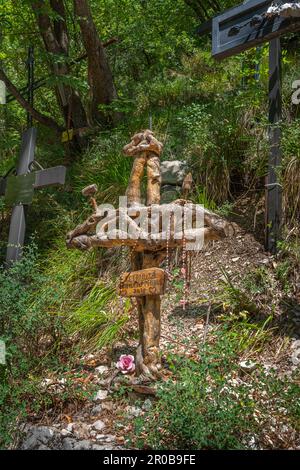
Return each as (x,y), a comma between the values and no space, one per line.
(149,281)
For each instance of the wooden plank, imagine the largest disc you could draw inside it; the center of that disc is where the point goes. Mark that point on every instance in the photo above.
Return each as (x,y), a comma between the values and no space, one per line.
(151,281)
(273,188)
(67,135)
(235,30)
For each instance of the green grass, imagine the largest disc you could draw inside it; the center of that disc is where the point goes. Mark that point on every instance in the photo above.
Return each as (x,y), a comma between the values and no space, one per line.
(98,318)
(209,403)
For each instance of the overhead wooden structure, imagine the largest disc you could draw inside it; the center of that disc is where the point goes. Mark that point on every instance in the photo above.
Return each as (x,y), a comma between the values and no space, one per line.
(242,27)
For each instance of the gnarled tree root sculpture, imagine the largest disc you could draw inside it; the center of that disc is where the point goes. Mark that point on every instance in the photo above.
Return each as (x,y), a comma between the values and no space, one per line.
(149,248)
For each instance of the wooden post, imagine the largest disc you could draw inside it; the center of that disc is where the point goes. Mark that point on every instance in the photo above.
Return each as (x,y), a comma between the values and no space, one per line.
(273,188)
(146,282)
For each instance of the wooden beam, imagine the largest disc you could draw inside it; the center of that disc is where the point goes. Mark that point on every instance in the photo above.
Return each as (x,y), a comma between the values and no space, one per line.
(205,28)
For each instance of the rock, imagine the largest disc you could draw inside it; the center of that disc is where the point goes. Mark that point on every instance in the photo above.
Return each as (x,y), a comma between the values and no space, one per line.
(68,443)
(173,172)
(296,357)
(46,382)
(45,438)
(147,405)
(101,395)
(36,436)
(101,369)
(43,447)
(98,425)
(248,366)
(81,430)
(264,261)
(97,447)
(269,368)
(70,427)
(133,411)
(169,193)
(88,357)
(107,405)
(82,445)
(295,344)
(97,409)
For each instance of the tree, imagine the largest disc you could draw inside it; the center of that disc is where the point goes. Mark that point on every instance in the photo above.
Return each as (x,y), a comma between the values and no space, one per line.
(204,9)
(102,88)
(56,40)
(52,23)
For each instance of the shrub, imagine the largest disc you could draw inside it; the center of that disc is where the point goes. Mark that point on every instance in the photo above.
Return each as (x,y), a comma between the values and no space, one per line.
(209,404)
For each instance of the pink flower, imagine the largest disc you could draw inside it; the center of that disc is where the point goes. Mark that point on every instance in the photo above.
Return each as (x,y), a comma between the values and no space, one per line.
(126,364)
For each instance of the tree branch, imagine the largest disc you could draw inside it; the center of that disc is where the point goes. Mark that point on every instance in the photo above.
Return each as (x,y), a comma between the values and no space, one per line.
(45,120)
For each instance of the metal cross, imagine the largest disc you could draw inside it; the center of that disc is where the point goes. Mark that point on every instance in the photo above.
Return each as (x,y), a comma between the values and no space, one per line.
(18,190)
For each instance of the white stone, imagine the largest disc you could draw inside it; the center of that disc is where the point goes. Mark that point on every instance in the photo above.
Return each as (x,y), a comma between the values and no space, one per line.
(101,395)
(101,369)
(98,425)
(147,404)
(46,382)
(133,411)
(97,409)
(248,366)
(296,344)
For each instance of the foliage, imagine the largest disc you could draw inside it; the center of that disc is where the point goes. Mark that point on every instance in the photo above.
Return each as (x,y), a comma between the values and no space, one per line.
(41,306)
(214,115)
(210,404)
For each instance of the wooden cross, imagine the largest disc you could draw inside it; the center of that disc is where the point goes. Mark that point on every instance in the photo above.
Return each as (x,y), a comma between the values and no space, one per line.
(146,281)
(18,190)
(241,28)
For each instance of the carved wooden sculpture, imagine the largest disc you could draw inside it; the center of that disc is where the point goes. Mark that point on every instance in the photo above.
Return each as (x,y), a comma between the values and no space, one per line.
(148,249)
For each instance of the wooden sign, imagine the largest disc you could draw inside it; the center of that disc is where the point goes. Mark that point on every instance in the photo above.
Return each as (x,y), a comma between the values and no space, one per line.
(67,135)
(245,26)
(150,281)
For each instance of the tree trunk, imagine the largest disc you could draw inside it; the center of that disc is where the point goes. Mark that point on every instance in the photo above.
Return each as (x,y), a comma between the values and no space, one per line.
(201,7)
(56,40)
(42,118)
(102,88)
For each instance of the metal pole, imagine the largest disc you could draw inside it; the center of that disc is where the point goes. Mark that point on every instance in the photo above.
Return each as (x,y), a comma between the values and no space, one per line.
(273,188)
(30,82)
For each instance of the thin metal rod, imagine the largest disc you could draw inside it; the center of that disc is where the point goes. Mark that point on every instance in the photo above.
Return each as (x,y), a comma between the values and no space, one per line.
(30,82)
(273,189)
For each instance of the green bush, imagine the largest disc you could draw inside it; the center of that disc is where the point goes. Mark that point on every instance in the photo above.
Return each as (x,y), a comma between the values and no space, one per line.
(209,404)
